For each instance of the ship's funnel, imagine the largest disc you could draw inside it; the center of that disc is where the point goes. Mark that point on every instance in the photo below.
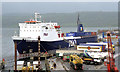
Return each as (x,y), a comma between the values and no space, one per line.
(80,28)
(80,25)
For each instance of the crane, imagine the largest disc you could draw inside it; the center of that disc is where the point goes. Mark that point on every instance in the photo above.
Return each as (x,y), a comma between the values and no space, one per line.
(110,60)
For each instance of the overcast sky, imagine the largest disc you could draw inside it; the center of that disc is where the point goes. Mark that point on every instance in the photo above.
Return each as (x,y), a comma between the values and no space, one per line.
(57,7)
(60,0)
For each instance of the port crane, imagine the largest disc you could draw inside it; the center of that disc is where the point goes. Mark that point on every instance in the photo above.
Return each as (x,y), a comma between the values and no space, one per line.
(110,63)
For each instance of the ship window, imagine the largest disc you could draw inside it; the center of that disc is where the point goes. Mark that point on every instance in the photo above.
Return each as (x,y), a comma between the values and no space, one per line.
(34,27)
(43,26)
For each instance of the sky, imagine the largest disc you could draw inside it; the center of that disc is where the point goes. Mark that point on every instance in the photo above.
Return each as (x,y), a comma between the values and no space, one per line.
(59,0)
(57,7)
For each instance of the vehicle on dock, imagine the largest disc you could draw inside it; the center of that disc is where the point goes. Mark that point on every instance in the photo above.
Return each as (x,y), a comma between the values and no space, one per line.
(2,64)
(28,66)
(66,57)
(76,62)
(91,47)
(105,45)
(51,36)
(93,57)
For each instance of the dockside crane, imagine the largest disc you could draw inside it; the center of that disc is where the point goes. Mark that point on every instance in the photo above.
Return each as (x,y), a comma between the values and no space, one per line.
(110,63)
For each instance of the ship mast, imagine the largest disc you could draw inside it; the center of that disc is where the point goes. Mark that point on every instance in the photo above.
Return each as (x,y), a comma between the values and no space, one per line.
(80,26)
(37,17)
(78,20)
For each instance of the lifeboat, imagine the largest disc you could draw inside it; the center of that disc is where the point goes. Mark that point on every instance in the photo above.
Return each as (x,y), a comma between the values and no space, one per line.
(30,21)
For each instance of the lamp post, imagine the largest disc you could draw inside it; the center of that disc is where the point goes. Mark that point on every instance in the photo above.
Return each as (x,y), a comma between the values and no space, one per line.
(39,68)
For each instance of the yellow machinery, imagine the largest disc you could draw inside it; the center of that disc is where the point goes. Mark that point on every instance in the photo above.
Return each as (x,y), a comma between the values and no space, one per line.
(113,48)
(27,68)
(24,69)
(76,62)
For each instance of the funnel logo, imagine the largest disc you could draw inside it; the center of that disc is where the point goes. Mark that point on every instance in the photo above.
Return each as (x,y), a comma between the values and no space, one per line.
(81,28)
(45,34)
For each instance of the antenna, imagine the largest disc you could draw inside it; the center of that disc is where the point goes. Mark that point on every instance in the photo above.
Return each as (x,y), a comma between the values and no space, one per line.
(37,17)
(78,20)
(15,34)
(79,24)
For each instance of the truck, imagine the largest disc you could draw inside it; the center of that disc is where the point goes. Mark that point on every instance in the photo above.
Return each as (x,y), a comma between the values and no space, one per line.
(94,57)
(89,47)
(104,44)
(76,62)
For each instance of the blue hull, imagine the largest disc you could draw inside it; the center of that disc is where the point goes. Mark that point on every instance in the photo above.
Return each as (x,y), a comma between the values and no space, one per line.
(23,45)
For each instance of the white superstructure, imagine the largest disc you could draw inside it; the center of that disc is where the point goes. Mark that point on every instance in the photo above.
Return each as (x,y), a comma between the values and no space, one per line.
(34,28)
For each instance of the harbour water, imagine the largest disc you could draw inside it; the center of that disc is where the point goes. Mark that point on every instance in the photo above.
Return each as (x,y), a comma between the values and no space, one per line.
(8,45)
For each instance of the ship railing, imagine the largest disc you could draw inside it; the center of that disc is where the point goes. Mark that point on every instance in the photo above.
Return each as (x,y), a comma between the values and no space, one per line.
(35,54)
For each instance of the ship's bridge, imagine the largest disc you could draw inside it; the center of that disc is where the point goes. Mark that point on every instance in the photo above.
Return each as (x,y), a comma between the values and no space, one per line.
(35,28)
(45,30)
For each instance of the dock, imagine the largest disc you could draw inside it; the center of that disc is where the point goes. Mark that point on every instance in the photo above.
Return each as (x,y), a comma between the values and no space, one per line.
(52,62)
(69,51)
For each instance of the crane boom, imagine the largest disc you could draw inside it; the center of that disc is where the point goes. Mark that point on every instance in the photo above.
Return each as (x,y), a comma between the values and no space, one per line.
(110,60)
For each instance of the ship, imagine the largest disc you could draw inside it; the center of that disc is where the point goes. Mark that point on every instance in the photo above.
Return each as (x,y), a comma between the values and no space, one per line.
(51,36)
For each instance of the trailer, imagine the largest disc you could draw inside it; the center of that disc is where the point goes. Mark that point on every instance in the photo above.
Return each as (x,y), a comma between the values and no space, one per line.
(93,53)
(104,44)
(91,47)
